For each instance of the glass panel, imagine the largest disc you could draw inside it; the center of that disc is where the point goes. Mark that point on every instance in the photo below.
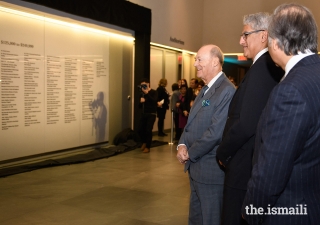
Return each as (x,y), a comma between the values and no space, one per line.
(121,79)
(186,67)
(156,67)
(171,68)
(60,77)
(171,74)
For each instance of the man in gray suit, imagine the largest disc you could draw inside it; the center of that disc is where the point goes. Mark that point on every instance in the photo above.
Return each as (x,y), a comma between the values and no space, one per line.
(202,136)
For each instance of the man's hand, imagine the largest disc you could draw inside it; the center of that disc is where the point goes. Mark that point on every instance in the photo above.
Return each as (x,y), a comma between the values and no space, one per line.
(142,100)
(182,154)
(145,91)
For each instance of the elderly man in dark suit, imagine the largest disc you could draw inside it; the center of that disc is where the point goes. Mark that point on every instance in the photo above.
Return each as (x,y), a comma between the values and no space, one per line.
(236,149)
(202,136)
(284,187)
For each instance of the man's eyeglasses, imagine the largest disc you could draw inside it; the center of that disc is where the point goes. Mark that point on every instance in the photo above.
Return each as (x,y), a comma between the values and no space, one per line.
(245,34)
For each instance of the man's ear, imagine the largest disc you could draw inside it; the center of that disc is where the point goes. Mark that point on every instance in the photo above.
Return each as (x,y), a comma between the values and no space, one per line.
(274,45)
(215,61)
(264,36)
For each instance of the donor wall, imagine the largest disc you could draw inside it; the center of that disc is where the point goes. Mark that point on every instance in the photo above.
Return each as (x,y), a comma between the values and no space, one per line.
(54,85)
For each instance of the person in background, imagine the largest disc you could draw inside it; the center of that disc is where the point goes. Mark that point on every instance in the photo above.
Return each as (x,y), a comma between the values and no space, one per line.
(182,117)
(163,105)
(179,84)
(194,84)
(284,183)
(148,104)
(199,87)
(236,149)
(197,90)
(174,99)
(184,82)
(232,81)
(190,95)
(202,135)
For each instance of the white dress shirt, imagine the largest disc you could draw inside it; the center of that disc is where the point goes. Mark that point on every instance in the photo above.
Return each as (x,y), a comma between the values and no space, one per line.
(259,54)
(294,60)
(212,81)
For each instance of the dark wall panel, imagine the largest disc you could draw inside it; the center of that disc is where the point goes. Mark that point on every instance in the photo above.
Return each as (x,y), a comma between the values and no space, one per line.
(117,12)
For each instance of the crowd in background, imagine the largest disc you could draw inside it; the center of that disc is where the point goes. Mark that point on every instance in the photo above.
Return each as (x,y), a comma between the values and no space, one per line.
(181,101)
(182,98)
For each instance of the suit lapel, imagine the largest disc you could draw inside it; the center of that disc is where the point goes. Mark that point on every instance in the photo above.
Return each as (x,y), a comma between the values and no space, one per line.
(197,104)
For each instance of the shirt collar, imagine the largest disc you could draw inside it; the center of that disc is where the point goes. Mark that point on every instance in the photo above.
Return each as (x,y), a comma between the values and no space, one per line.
(294,60)
(259,54)
(213,80)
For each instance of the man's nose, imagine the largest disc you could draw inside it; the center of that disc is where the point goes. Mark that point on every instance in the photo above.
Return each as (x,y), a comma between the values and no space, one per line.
(195,63)
(242,41)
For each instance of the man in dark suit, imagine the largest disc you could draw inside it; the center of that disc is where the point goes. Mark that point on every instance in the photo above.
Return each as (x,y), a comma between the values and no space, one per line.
(202,136)
(236,149)
(284,187)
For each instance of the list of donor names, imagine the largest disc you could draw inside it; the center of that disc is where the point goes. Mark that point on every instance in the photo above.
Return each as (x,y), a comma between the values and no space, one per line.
(10,89)
(37,89)
(33,95)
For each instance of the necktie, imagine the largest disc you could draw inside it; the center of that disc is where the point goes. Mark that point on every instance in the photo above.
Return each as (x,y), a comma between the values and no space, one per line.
(204,90)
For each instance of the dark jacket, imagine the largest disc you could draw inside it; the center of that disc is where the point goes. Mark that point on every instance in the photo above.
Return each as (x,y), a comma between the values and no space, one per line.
(150,104)
(236,149)
(163,95)
(286,163)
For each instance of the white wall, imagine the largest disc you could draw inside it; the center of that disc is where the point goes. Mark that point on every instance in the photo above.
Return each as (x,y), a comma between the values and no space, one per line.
(180,19)
(223,19)
(199,22)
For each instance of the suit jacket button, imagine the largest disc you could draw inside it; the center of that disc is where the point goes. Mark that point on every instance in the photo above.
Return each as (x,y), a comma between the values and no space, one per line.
(186,130)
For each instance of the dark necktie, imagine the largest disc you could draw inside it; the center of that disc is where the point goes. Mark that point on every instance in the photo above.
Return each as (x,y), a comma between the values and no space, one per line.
(204,90)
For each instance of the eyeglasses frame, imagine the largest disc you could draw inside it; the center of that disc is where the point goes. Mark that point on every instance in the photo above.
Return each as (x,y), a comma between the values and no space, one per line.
(245,34)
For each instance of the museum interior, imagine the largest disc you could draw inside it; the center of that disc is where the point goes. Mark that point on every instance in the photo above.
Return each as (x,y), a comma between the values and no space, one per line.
(61,61)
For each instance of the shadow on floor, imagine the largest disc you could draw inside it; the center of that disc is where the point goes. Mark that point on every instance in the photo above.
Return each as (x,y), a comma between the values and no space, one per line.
(94,154)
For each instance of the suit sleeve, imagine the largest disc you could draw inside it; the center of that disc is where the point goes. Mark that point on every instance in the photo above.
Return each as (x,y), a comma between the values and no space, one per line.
(212,136)
(244,126)
(280,138)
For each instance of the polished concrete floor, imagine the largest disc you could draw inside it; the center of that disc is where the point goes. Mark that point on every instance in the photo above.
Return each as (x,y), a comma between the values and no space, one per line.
(132,188)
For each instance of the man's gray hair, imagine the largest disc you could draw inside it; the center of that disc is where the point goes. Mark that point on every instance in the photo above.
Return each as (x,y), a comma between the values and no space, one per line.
(294,28)
(216,51)
(257,21)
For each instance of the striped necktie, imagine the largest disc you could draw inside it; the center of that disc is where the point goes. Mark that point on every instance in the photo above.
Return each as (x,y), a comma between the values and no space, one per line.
(204,90)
